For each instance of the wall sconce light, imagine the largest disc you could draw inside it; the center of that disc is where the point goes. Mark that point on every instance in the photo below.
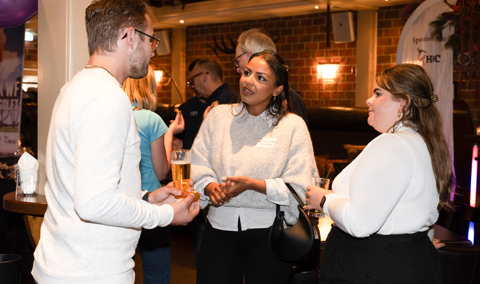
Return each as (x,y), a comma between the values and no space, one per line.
(161,79)
(164,78)
(158,76)
(327,72)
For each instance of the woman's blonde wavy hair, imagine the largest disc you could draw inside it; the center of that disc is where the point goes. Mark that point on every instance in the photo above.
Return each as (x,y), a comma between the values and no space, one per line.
(142,91)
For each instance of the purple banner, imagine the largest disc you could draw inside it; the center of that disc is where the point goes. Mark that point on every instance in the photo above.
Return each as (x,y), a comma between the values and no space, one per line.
(11,72)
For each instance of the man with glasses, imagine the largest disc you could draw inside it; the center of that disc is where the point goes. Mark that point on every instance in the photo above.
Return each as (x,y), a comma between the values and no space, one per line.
(205,78)
(254,41)
(95,207)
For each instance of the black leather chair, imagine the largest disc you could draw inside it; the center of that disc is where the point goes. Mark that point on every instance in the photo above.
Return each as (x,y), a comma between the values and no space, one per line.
(460,264)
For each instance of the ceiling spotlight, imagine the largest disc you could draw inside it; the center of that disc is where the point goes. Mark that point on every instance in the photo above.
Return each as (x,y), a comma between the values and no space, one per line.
(316,7)
(182,21)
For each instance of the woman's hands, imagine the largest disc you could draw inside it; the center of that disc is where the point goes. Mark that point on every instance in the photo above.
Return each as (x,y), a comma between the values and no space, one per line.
(209,108)
(237,185)
(177,125)
(313,196)
(437,243)
(218,194)
(222,193)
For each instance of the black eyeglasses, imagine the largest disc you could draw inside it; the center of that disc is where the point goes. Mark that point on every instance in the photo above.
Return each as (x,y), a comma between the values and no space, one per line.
(153,40)
(235,60)
(190,81)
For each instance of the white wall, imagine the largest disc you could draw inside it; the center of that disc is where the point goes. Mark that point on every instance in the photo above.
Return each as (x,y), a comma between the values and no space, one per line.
(366,55)
(62,52)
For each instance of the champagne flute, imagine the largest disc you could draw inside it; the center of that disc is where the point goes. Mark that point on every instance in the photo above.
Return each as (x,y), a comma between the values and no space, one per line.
(180,160)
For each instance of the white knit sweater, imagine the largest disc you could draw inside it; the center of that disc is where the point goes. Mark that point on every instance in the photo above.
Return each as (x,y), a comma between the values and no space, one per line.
(228,145)
(93,190)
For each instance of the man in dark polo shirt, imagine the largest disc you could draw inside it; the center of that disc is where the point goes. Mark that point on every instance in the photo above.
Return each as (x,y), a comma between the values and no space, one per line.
(205,77)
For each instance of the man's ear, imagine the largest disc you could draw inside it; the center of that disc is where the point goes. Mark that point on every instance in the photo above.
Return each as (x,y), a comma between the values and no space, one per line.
(130,37)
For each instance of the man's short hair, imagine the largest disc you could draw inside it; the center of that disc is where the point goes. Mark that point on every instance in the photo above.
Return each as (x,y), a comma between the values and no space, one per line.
(255,40)
(192,65)
(209,65)
(105,20)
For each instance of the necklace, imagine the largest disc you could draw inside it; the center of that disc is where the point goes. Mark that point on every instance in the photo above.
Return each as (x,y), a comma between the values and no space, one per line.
(96,66)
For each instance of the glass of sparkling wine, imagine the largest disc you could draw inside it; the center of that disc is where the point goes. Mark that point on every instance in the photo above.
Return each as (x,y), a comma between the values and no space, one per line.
(180,160)
(323,183)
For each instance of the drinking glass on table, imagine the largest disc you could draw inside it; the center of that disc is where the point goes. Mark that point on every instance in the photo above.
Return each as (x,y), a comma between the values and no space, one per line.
(322,183)
(180,160)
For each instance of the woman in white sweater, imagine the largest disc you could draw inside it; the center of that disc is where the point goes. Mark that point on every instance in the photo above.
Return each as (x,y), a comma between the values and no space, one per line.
(241,159)
(385,201)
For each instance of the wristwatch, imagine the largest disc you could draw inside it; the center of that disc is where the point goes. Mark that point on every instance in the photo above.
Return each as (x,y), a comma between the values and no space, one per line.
(145,196)
(322,202)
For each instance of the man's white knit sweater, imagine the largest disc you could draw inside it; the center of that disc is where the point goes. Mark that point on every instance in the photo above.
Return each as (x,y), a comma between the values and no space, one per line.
(246,145)
(93,190)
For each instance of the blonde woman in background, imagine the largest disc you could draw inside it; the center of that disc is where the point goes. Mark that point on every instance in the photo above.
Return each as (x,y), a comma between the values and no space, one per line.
(156,144)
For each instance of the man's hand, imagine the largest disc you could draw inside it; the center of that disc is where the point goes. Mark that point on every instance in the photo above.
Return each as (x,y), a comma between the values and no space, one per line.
(185,210)
(164,195)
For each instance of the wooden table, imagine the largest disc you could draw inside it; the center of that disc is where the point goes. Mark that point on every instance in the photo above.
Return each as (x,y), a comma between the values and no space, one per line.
(32,207)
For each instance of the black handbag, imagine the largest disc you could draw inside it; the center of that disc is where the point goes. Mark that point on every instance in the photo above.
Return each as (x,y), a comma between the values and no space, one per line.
(297,242)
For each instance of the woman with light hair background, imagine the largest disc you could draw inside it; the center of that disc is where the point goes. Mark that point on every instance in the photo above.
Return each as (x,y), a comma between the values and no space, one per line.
(156,144)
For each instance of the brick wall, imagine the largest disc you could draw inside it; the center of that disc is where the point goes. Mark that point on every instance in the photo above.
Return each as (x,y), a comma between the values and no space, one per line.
(301,41)
(164,92)
(389,27)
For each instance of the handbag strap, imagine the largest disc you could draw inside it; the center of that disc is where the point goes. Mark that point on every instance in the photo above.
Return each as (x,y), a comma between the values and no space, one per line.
(295,194)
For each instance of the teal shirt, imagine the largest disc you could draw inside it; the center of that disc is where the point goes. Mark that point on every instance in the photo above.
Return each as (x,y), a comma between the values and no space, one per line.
(150,127)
